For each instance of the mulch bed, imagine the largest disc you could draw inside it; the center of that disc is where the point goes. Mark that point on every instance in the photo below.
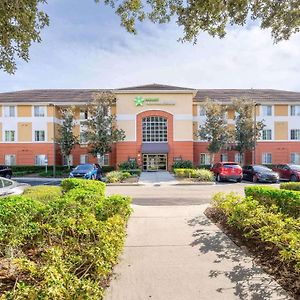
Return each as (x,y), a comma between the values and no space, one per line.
(264,254)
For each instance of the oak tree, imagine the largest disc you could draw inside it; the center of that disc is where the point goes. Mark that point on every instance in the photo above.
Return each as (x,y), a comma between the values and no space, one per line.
(215,129)
(67,139)
(101,130)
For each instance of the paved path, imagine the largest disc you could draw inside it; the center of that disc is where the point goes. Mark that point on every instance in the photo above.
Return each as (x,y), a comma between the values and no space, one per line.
(175,253)
(157,178)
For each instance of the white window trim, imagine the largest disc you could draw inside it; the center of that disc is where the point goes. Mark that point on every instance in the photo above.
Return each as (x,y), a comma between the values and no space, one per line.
(264,155)
(10,156)
(4,108)
(45,111)
(45,135)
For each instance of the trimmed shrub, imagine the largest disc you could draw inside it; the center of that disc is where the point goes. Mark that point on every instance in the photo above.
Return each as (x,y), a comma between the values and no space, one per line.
(287,201)
(88,185)
(200,174)
(264,223)
(136,172)
(117,176)
(182,164)
(294,186)
(129,165)
(65,247)
(43,193)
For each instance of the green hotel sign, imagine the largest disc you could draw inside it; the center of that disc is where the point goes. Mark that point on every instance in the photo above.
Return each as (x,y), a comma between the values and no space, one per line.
(140,101)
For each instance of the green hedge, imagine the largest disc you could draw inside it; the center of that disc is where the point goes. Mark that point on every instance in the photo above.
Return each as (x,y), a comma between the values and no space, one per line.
(117,176)
(267,224)
(182,164)
(64,247)
(294,186)
(287,201)
(43,193)
(200,174)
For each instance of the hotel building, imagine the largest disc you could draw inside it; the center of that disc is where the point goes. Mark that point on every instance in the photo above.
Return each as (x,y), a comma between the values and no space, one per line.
(159,122)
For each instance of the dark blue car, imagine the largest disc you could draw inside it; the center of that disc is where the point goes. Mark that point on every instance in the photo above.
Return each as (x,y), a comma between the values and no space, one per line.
(87,171)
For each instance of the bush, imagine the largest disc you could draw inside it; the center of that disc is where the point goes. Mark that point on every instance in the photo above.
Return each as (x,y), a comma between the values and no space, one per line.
(287,201)
(65,247)
(106,169)
(294,186)
(136,172)
(182,164)
(43,193)
(200,174)
(129,165)
(117,176)
(88,185)
(264,223)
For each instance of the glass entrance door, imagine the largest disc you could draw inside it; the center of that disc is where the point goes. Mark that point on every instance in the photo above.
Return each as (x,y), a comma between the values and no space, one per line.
(155,162)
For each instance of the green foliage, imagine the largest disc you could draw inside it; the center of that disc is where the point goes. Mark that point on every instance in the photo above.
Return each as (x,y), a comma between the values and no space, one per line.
(287,201)
(294,186)
(64,247)
(129,165)
(215,129)
(43,193)
(93,186)
(211,16)
(265,223)
(20,25)
(67,139)
(117,176)
(245,132)
(182,164)
(101,131)
(18,222)
(199,174)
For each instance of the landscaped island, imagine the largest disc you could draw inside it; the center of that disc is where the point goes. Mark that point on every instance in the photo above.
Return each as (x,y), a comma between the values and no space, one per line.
(267,222)
(61,242)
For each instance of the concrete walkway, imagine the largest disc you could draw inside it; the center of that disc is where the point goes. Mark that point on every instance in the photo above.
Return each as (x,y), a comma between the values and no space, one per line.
(176,253)
(157,178)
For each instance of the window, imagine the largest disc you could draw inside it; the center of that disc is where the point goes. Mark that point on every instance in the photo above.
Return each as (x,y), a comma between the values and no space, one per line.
(267,158)
(9,111)
(5,183)
(83,138)
(84,158)
(155,129)
(103,160)
(83,115)
(267,134)
(67,158)
(295,134)
(9,136)
(295,158)
(202,111)
(39,111)
(10,159)
(238,158)
(224,157)
(39,135)
(204,159)
(266,110)
(40,160)
(295,110)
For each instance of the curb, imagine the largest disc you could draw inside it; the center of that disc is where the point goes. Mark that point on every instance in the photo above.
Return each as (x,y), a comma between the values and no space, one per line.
(37,178)
(124,184)
(196,183)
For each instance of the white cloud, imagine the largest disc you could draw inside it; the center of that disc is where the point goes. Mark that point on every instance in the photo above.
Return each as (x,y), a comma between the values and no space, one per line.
(107,57)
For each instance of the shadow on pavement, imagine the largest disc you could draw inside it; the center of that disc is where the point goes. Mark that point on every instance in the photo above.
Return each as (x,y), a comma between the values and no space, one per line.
(229,261)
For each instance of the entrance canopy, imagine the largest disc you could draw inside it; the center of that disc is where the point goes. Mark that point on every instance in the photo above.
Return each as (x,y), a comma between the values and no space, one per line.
(155,148)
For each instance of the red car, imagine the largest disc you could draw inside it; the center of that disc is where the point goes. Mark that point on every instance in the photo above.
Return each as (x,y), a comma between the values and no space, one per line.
(288,172)
(227,171)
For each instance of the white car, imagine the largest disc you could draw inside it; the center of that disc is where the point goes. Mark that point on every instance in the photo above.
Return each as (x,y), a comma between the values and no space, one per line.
(10,187)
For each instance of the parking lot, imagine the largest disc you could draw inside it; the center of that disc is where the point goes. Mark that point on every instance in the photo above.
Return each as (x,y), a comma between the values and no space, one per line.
(164,194)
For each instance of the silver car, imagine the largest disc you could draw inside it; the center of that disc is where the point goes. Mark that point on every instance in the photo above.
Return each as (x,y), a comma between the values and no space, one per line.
(10,187)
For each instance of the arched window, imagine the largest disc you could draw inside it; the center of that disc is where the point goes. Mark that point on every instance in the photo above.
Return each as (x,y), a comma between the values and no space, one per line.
(155,129)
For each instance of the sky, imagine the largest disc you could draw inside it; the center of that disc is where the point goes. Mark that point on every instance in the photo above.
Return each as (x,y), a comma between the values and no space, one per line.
(85,47)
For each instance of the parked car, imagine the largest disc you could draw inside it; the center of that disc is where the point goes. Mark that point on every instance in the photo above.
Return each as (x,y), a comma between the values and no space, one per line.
(5,171)
(258,173)
(288,172)
(227,171)
(10,187)
(87,171)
